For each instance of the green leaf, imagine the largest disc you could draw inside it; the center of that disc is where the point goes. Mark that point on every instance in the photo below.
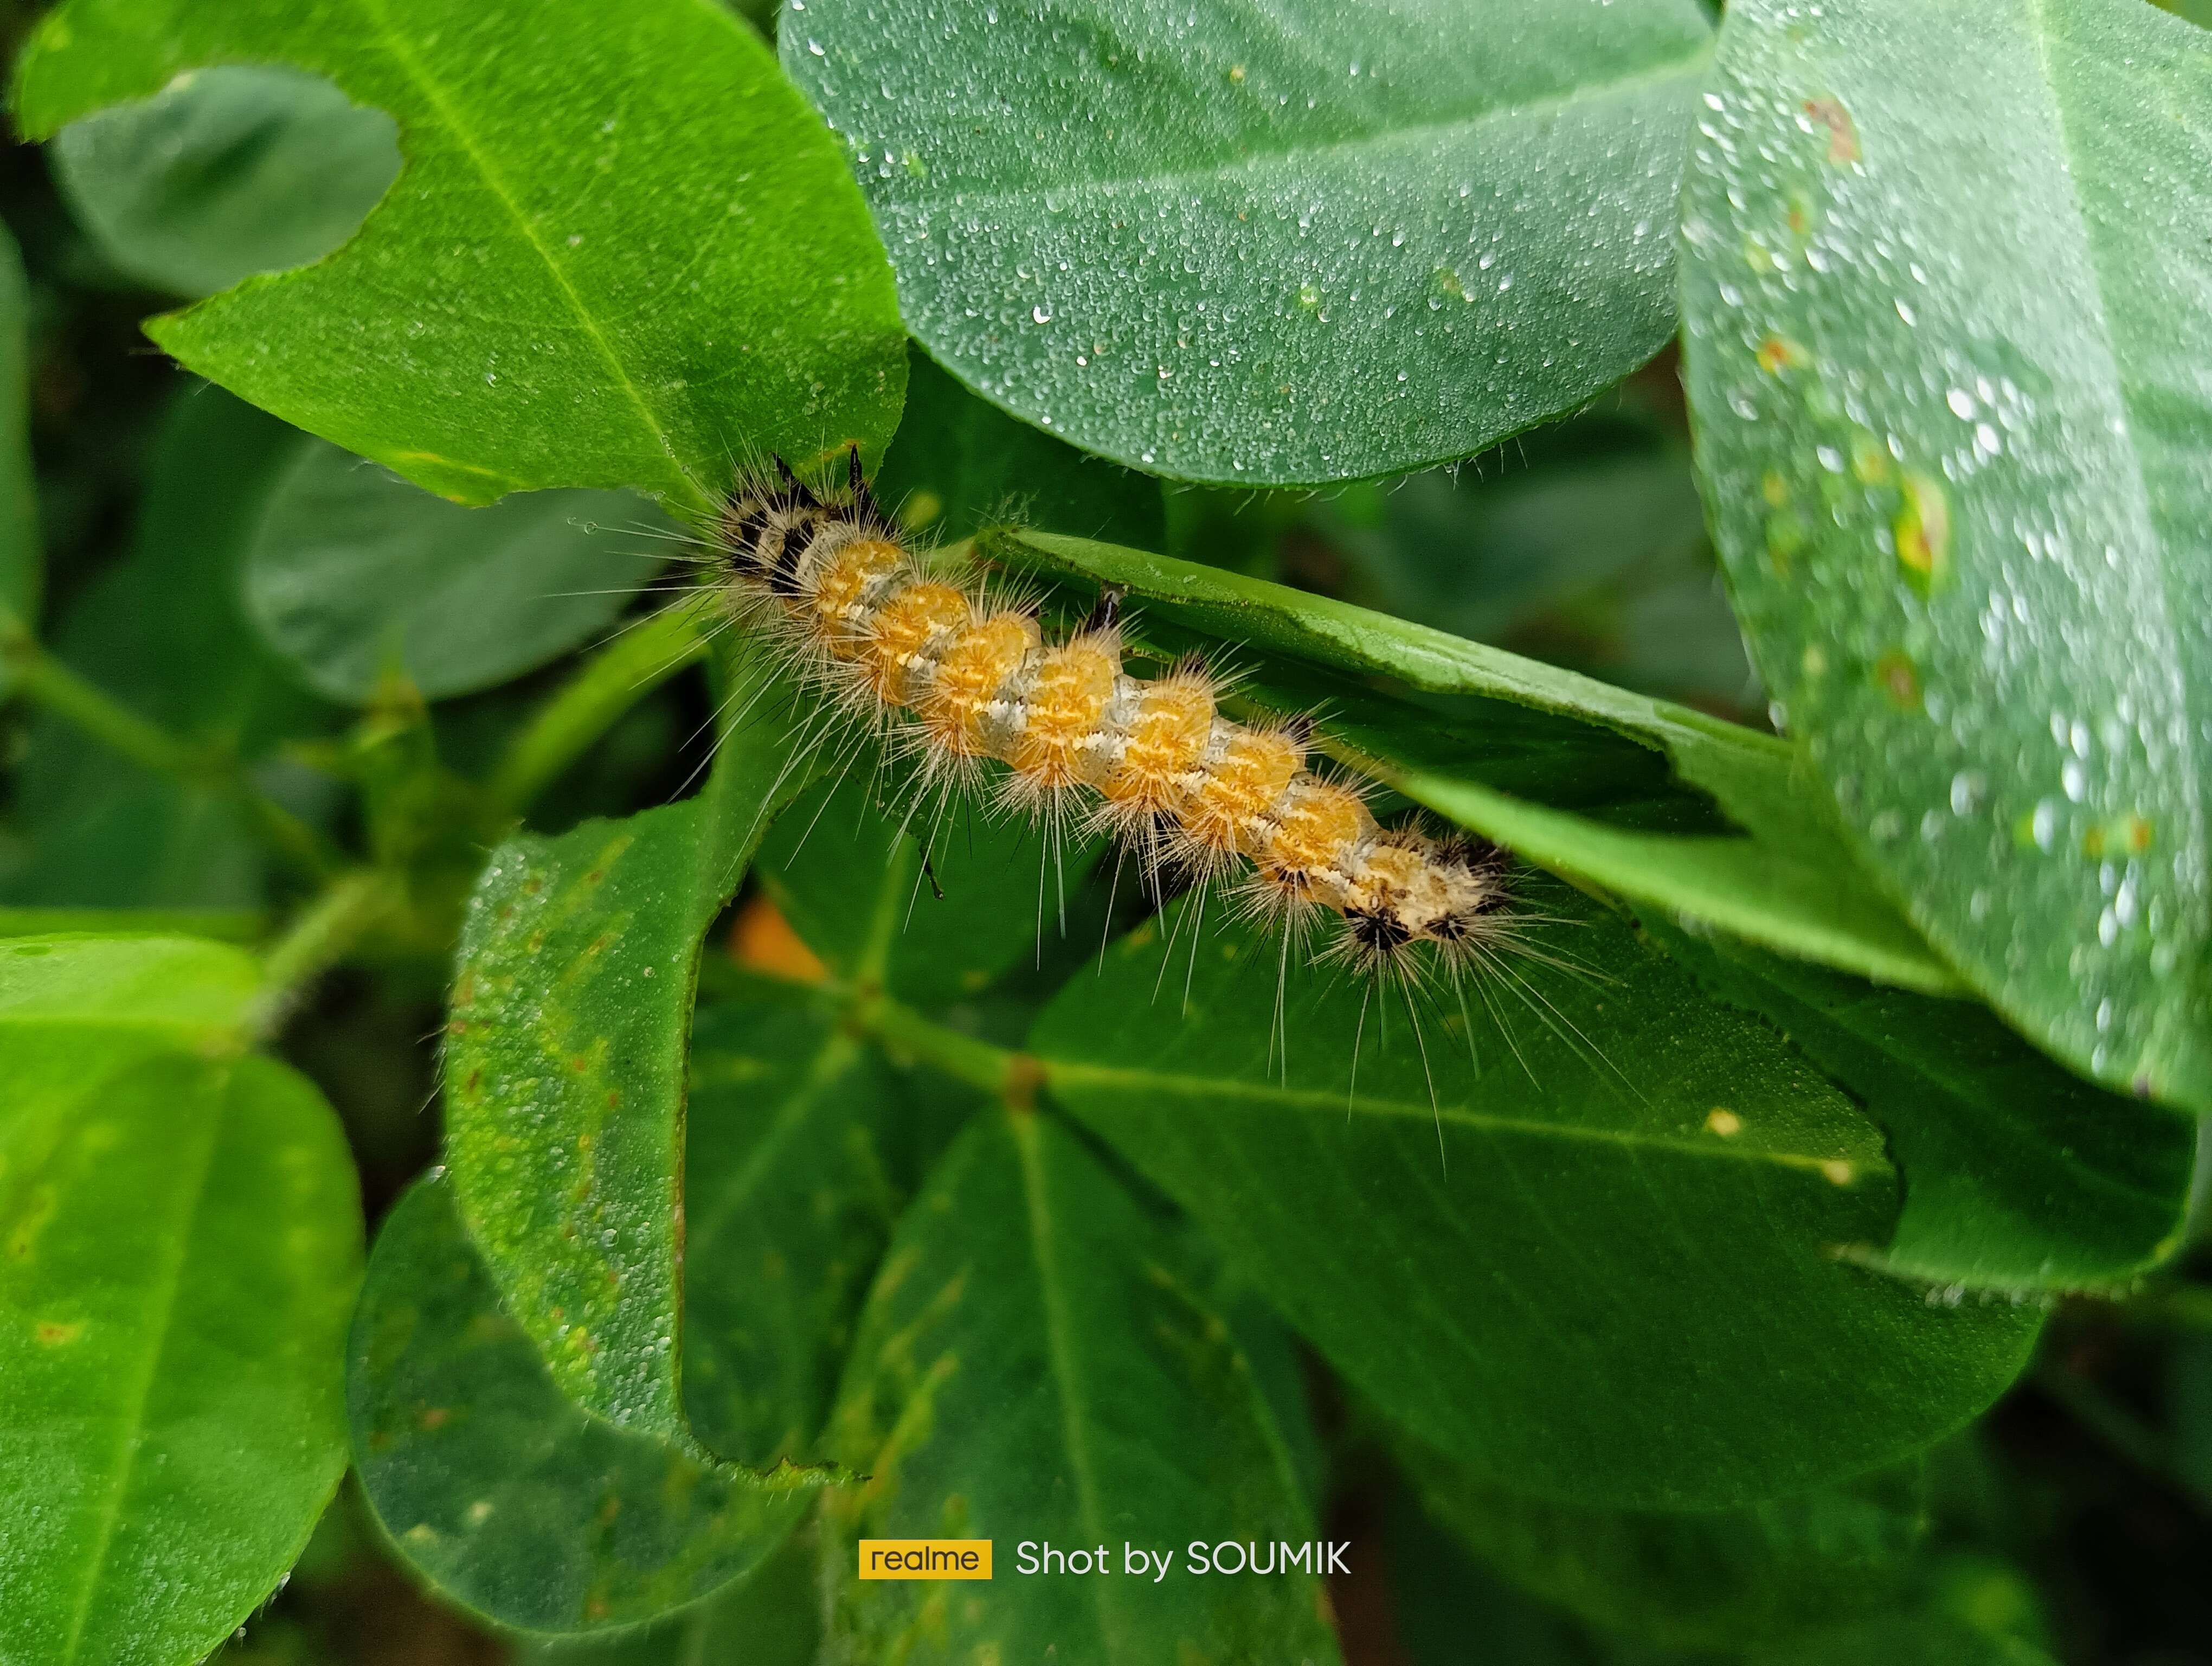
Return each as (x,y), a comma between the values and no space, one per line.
(959,464)
(565,1071)
(993,891)
(803,1145)
(618,251)
(74,1007)
(1706,1579)
(191,992)
(509,1498)
(164,632)
(224,173)
(1591,1260)
(1785,881)
(1282,243)
(1038,1363)
(22,564)
(183,1242)
(1960,494)
(2018,1175)
(354,576)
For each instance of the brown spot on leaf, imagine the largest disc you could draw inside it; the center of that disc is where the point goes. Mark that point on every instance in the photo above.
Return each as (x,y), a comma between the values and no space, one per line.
(1899,679)
(1843,131)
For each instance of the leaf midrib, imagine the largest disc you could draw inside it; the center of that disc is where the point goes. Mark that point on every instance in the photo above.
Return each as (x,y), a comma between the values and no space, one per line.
(171,1282)
(833,1060)
(1059,1344)
(1077,1073)
(1257,160)
(397,47)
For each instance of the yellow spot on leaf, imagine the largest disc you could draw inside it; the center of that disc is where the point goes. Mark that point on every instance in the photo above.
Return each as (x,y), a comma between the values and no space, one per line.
(1786,534)
(1726,1124)
(1924,534)
(1774,489)
(53,1335)
(1900,679)
(1869,460)
(1779,353)
(1838,1172)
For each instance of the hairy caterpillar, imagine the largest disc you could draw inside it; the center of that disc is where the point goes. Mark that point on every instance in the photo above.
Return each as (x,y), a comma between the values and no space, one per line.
(926,654)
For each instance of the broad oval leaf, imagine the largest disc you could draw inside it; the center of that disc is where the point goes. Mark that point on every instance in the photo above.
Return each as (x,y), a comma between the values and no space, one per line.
(224,173)
(613,257)
(1780,877)
(1591,1260)
(1288,242)
(1039,1363)
(505,1495)
(1961,493)
(565,1073)
(354,576)
(182,1242)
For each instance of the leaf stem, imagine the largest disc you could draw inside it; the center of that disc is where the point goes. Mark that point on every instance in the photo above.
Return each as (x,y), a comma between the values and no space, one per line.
(900,1029)
(998,1070)
(323,934)
(612,681)
(61,690)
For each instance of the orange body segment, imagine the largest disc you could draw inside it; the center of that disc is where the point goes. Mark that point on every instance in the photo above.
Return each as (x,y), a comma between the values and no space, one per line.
(902,629)
(1222,809)
(973,667)
(1163,746)
(1307,842)
(1066,703)
(839,587)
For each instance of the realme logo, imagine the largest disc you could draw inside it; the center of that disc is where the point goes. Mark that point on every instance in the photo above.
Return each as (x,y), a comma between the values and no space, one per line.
(925,1558)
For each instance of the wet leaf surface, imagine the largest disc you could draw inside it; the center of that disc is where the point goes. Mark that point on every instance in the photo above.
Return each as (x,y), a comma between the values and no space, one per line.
(1285,243)
(1961,493)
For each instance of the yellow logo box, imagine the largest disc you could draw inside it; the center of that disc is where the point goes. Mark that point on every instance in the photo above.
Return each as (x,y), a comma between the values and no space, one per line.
(925,1558)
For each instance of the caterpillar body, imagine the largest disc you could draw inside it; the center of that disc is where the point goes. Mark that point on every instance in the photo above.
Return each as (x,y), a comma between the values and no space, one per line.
(926,654)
